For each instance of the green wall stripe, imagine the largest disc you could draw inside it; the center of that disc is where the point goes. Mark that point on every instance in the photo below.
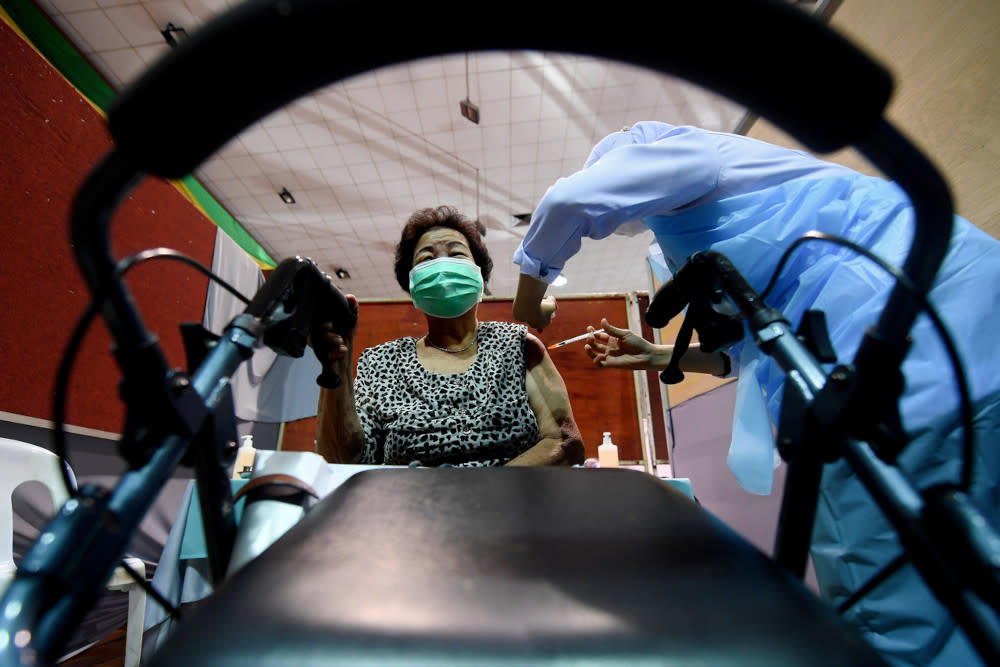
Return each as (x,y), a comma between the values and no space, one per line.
(51,43)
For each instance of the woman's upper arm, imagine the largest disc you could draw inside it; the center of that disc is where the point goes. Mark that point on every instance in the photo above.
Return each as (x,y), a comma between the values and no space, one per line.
(546,389)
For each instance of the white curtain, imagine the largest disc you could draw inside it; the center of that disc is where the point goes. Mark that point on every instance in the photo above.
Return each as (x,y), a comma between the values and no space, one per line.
(268,387)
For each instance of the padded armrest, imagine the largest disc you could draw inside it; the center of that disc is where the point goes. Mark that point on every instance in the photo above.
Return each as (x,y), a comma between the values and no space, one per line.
(511,565)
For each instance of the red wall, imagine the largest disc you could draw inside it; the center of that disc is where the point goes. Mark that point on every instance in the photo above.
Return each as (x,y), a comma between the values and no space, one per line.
(50,138)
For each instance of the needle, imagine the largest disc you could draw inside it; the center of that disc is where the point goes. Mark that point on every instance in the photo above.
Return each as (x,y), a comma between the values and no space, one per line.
(574,339)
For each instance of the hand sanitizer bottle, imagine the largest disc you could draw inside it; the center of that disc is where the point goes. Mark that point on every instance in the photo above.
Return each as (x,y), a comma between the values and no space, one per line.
(607,452)
(245,456)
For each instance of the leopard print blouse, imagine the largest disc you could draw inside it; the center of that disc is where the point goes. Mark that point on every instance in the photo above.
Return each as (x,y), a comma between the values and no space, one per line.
(477,418)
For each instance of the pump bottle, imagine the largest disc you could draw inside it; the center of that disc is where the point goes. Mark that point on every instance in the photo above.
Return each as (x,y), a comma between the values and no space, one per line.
(607,452)
(245,456)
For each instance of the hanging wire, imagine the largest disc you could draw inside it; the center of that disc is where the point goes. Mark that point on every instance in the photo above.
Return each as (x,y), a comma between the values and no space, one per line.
(871,584)
(76,340)
(466,76)
(65,371)
(965,399)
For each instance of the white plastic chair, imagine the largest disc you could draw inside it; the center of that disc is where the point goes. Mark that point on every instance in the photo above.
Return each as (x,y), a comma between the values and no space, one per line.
(23,462)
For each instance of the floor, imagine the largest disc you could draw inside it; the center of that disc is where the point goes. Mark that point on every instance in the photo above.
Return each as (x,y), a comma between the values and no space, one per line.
(109,652)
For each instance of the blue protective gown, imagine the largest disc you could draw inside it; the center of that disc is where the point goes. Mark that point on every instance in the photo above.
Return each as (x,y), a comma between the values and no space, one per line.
(750,200)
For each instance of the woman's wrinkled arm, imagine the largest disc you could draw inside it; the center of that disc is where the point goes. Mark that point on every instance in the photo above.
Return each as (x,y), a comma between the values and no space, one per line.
(339,435)
(560,442)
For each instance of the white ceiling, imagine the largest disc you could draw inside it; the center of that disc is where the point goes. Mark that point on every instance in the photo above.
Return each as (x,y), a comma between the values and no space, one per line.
(360,155)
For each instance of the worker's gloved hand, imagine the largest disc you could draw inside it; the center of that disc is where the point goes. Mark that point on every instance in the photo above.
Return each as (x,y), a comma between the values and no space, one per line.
(620,348)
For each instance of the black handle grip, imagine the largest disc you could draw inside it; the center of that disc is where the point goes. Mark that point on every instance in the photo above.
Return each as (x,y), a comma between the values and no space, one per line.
(296,302)
(767,55)
(333,307)
(310,292)
(666,304)
(674,295)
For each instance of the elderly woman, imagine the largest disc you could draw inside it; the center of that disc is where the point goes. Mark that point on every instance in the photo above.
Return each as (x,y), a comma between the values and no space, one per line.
(466,393)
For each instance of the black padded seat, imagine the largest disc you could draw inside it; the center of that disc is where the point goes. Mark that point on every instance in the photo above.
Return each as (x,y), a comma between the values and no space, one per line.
(512,566)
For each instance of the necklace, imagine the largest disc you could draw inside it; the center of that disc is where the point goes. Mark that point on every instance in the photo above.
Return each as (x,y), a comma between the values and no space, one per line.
(427,341)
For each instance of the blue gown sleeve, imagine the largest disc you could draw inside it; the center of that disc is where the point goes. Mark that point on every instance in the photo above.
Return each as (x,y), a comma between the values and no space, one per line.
(628,183)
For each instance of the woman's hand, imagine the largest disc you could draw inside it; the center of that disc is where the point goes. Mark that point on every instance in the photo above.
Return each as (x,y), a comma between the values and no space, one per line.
(340,437)
(333,350)
(620,348)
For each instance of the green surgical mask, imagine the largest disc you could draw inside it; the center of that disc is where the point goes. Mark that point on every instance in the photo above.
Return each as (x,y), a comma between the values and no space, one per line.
(446,287)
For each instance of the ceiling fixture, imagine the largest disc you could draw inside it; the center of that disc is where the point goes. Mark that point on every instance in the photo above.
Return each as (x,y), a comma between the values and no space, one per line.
(286,196)
(342,273)
(559,281)
(481,227)
(469,110)
(479,223)
(174,34)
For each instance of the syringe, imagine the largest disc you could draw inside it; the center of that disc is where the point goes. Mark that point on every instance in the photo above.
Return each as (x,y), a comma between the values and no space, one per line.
(574,339)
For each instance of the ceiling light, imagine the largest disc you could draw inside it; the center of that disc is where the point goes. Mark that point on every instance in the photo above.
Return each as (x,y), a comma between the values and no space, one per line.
(286,196)
(469,110)
(342,273)
(559,281)
(174,34)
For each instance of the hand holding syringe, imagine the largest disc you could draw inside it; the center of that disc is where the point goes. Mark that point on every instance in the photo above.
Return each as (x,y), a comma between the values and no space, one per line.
(619,348)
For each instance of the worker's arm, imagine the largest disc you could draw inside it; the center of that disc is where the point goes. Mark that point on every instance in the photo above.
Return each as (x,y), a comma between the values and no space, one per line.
(628,183)
(613,347)
(530,303)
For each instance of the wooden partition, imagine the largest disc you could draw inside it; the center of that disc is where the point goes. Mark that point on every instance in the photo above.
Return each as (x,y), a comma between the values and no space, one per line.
(603,400)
